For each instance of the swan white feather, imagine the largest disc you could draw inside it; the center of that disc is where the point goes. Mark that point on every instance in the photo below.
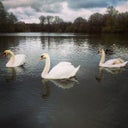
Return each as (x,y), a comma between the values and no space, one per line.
(63,70)
(112,63)
(15,60)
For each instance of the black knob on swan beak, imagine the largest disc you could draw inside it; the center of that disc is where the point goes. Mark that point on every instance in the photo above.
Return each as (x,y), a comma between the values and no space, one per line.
(41,57)
(4,54)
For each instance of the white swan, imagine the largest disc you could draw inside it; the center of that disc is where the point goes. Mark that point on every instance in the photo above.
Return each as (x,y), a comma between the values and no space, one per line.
(63,70)
(15,60)
(112,63)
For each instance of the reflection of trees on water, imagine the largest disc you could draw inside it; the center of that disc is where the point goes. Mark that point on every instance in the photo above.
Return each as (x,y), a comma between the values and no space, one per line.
(46,42)
(113,71)
(12,43)
(8,42)
(62,83)
(46,89)
(65,46)
(49,41)
(11,75)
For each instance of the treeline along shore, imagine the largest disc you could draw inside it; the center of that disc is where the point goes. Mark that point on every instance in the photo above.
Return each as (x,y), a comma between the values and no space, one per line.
(111,22)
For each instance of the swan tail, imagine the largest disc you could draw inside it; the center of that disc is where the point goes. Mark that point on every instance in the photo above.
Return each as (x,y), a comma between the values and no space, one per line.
(76,70)
(126,62)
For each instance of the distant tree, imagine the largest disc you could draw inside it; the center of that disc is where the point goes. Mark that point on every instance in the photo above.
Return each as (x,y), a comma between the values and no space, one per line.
(122,20)
(96,18)
(95,22)
(33,27)
(21,27)
(3,14)
(57,20)
(11,18)
(79,25)
(110,20)
(42,20)
(57,24)
(49,19)
(7,20)
(112,11)
(79,20)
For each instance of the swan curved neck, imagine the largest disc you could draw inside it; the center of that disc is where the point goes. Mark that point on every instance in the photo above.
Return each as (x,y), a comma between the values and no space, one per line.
(12,56)
(102,60)
(47,67)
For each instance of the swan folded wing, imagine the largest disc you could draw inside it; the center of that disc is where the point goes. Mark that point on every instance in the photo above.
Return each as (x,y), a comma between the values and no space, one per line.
(114,63)
(19,59)
(63,70)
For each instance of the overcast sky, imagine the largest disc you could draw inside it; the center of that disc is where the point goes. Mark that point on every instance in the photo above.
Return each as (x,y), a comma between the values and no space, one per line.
(29,11)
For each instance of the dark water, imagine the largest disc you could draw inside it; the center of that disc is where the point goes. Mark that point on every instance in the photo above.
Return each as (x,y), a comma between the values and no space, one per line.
(99,98)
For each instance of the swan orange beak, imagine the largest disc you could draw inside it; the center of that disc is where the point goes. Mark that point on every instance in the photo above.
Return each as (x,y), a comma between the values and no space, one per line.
(4,54)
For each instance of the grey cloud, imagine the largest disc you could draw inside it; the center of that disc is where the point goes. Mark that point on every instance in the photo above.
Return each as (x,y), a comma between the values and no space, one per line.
(48,7)
(54,6)
(87,4)
(53,9)
(92,3)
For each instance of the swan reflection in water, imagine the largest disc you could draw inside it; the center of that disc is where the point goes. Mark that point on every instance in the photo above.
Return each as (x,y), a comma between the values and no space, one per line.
(102,70)
(61,83)
(12,73)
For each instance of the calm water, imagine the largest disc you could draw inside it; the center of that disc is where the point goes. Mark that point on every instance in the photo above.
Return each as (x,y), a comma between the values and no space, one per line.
(97,99)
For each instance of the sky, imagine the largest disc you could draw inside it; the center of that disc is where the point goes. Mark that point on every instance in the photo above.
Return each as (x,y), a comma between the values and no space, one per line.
(29,11)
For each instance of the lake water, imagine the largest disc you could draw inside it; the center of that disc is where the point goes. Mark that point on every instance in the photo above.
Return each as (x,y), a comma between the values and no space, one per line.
(98,98)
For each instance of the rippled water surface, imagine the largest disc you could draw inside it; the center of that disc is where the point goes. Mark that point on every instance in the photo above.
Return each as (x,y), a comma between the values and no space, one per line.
(97,98)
